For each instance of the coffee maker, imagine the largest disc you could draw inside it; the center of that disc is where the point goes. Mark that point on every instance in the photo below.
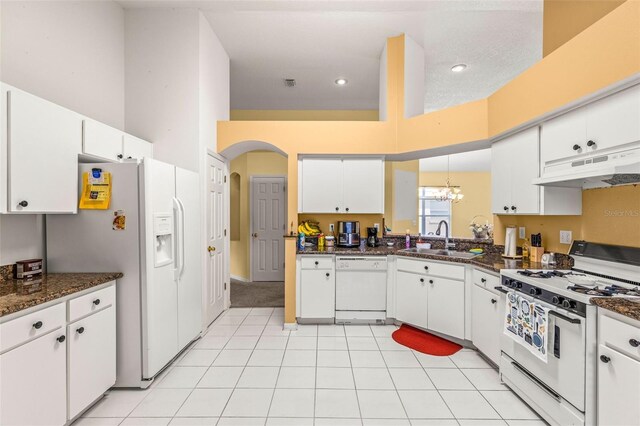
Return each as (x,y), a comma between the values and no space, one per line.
(348,234)
(372,237)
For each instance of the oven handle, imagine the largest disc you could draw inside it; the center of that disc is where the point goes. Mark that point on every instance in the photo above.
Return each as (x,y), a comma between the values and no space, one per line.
(535,380)
(564,317)
(501,290)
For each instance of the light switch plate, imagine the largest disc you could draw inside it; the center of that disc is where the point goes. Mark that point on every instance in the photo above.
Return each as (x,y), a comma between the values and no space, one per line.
(565,237)
(522,232)
(331,227)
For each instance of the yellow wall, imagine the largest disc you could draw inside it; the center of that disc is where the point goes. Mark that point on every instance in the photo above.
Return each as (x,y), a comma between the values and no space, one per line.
(247,165)
(303,115)
(607,52)
(609,215)
(476,187)
(564,19)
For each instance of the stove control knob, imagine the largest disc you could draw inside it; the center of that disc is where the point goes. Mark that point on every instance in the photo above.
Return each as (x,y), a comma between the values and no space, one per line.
(568,304)
(557,300)
(508,283)
(517,284)
(534,291)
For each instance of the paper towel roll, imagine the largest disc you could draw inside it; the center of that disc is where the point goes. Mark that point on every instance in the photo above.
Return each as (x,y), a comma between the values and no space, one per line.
(510,242)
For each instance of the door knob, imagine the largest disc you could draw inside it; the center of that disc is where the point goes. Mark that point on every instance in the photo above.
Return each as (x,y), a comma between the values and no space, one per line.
(576,147)
(604,358)
(80,330)
(590,143)
(61,339)
(254,235)
(23,203)
(210,249)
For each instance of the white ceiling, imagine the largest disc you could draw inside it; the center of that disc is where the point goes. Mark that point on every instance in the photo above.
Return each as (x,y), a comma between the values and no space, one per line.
(317,41)
(472,161)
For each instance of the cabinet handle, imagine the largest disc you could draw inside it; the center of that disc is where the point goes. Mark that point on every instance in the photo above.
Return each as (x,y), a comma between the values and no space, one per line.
(426,268)
(347,208)
(604,358)
(61,339)
(119,156)
(483,280)
(634,343)
(506,209)
(513,208)
(430,281)
(316,262)
(337,208)
(494,301)
(37,325)
(421,280)
(591,143)
(23,203)
(328,274)
(576,147)
(96,302)
(80,330)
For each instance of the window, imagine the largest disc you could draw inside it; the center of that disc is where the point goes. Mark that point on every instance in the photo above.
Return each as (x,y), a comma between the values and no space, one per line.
(431,210)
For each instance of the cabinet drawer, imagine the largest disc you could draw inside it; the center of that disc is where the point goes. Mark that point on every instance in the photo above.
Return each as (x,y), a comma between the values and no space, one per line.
(620,335)
(94,301)
(453,272)
(484,279)
(319,262)
(22,329)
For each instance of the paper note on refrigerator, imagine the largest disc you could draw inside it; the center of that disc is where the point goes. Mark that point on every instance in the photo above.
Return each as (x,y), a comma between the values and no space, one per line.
(96,190)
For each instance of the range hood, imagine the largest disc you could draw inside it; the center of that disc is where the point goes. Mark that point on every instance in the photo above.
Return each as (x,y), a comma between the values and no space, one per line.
(619,166)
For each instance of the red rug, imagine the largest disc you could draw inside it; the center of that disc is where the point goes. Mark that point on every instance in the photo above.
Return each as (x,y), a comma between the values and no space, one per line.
(424,342)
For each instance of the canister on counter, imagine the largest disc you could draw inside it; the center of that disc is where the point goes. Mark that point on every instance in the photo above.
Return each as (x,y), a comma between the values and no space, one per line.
(28,268)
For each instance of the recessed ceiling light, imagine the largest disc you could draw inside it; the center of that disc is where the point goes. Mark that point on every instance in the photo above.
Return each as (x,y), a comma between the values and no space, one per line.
(459,67)
(341,81)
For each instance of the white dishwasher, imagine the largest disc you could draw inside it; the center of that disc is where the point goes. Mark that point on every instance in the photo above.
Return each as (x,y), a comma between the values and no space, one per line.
(361,289)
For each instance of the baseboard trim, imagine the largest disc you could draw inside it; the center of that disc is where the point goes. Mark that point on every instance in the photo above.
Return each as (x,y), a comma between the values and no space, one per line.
(290,326)
(238,278)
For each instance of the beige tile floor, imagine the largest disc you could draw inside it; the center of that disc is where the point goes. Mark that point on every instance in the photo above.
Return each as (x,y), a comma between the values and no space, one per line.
(248,371)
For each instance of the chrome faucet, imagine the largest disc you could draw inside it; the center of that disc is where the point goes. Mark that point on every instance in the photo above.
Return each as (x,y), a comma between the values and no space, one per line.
(446,233)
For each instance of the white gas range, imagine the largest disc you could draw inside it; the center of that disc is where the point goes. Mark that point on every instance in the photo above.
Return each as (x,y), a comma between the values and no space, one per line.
(563,390)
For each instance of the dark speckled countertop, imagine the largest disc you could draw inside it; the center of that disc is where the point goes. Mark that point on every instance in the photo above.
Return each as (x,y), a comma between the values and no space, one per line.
(623,306)
(491,261)
(16,295)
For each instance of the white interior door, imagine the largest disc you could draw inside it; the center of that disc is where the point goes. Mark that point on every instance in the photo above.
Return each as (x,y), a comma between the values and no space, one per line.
(267,227)
(189,269)
(216,214)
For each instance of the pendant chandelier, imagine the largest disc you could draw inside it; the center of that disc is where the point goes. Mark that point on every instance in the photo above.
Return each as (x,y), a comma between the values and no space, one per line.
(448,192)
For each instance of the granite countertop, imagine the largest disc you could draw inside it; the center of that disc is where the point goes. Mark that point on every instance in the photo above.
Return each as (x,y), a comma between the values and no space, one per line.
(493,262)
(623,306)
(16,295)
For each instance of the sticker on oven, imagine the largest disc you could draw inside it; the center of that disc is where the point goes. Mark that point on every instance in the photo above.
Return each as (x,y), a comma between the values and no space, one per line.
(119,220)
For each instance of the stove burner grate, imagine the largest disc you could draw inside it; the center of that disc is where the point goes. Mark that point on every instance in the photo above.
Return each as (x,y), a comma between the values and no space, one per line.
(546,274)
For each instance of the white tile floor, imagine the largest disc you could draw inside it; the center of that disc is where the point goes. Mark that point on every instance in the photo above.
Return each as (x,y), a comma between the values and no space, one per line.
(248,371)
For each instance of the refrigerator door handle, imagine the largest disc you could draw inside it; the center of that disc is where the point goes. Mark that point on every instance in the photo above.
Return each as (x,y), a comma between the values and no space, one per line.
(181,242)
(178,231)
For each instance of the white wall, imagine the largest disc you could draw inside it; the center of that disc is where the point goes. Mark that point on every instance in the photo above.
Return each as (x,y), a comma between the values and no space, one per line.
(413,78)
(161,82)
(68,52)
(71,53)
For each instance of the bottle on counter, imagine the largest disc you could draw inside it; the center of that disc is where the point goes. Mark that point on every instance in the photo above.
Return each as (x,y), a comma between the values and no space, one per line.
(407,240)
(525,249)
(301,240)
(321,241)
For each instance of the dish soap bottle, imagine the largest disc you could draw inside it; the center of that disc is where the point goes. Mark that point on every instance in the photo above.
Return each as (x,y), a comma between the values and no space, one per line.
(525,249)
(407,240)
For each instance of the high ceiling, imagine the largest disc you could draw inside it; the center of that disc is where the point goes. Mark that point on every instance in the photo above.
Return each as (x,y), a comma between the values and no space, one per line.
(316,42)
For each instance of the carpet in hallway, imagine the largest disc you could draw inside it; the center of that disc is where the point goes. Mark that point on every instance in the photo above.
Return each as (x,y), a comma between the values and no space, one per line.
(257,294)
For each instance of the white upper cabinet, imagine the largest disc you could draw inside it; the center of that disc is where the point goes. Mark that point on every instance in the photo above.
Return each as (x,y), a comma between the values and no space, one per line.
(43,141)
(515,162)
(341,185)
(363,185)
(102,141)
(606,123)
(137,148)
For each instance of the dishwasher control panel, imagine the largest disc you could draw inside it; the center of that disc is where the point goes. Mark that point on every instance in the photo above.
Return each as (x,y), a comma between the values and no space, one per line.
(366,263)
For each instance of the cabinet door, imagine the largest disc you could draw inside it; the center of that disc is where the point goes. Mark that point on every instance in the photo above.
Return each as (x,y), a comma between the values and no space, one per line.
(501,163)
(525,166)
(486,322)
(445,307)
(618,389)
(559,135)
(101,140)
(92,358)
(43,144)
(33,382)
(133,147)
(321,185)
(317,294)
(614,120)
(363,185)
(411,299)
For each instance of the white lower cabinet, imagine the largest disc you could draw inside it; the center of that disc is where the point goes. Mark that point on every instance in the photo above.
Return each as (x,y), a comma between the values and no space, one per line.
(618,371)
(486,320)
(49,377)
(445,306)
(411,299)
(33,381)
(92,358)
(317,288)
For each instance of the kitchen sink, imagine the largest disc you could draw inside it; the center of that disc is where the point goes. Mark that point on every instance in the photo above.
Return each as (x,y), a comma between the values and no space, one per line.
(440,252)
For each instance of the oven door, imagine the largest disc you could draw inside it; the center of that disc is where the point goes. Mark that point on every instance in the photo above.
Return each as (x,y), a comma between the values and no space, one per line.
(564,371)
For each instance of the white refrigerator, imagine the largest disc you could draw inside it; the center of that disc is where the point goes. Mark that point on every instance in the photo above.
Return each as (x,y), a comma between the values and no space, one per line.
(159,298)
